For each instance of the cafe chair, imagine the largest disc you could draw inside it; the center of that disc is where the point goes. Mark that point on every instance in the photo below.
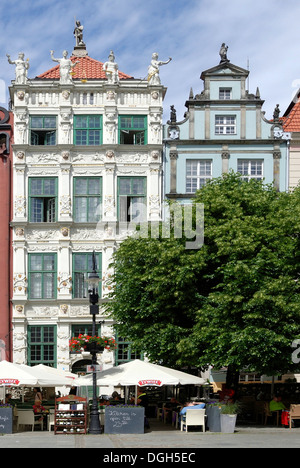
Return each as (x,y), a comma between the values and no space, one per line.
(294,413)
(51,419)
(26,418)
(193,417)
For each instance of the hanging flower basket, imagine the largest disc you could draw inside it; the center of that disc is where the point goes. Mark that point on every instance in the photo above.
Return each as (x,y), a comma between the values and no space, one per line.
(92,343)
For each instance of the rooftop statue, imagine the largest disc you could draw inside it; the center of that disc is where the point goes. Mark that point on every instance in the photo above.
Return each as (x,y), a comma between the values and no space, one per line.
(21,68)
(223,53)
(153,69)
(111,69)
(276,113)
(78,33)
(65,67)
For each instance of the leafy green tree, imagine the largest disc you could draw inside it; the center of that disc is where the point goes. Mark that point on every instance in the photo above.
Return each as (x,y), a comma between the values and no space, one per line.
(235,301)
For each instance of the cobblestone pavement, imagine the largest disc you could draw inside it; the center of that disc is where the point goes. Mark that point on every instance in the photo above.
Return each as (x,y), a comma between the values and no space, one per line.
(160,436)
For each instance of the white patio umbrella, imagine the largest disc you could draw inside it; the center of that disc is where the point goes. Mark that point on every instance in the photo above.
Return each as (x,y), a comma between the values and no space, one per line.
(140,373)
(46,378)
(14,375)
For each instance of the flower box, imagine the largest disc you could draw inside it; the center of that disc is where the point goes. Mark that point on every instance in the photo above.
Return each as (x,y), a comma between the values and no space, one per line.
(92,343)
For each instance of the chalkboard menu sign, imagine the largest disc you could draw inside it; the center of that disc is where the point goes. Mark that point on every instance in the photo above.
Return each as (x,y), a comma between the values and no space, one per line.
(124,420)
(6,420)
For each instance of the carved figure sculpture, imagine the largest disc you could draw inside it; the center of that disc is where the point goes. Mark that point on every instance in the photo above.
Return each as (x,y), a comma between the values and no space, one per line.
(276,113)
(21,68)
(65,67)
(153,69)
(223,53)
(78,33)
(111,69)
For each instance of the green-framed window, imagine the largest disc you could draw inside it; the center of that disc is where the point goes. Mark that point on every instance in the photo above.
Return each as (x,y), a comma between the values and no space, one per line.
(82,266)
(132,199)
(87,130)
(43,130)
(87,199)
(84,329)
(133,129)
(42,193)
(124,352)
(41,342)
(42,275)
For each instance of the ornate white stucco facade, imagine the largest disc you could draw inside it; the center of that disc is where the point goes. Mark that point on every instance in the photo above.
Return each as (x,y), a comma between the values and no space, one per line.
(63,162)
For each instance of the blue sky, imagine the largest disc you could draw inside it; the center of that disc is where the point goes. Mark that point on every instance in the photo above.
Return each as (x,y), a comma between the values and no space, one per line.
(264,34)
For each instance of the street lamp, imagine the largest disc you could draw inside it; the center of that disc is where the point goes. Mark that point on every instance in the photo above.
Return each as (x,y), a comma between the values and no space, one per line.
(93,283)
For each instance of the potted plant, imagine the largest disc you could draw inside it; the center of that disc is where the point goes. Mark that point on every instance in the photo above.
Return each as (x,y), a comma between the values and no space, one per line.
(92,343)
(228,417)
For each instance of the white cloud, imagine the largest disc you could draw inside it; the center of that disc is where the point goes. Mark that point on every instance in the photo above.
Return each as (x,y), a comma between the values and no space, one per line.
(190,31)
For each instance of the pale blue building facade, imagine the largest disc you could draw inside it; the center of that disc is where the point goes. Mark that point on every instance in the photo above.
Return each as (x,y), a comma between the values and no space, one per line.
(224,129)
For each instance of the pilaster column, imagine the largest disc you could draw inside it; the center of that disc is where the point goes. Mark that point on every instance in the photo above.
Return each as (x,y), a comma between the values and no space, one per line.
(173,175)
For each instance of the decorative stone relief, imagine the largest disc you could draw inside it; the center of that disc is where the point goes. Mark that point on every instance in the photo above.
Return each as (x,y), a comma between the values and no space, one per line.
(19,308)
(64,281)
(65,155)
(155,155)
(137,158)
(20,206)
(110,95)
(21,95)
(20,155)
(64,231)
(64,309)
(85,234)
(20,283)
(35,234)
(66,94)
(109,205)
(77,311)
(45,311)
(20,232)
(110,154)
(65,205)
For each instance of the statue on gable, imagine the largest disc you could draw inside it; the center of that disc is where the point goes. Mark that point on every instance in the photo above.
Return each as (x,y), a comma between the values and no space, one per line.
(173,117)
(21,68)
(153,69)
(111,69)
(276,113)
(78,33)
(223,53)
(65,67)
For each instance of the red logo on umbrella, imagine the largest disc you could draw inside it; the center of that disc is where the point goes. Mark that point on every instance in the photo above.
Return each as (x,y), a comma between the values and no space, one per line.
(150,382)
(9,382)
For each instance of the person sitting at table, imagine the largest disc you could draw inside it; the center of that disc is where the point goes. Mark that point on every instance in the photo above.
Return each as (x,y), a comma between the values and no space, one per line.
(115,396)
(189,405)
(38,409)
(169,407)
(276,404)
(142,400)
(8,399)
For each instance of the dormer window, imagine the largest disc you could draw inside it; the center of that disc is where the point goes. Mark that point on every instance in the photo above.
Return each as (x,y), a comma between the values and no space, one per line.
(225,94)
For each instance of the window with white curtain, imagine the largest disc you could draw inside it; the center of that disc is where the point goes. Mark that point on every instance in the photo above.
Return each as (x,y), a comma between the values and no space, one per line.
(198,171)
(250,169)
(87,199)
(42,275)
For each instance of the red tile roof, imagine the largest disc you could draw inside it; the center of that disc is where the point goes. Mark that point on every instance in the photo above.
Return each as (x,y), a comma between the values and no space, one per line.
(291,118)
(87,68)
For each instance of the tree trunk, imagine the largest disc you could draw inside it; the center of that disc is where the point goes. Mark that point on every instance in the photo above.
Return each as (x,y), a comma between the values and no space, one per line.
(232,379)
